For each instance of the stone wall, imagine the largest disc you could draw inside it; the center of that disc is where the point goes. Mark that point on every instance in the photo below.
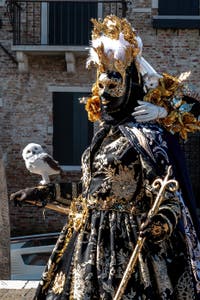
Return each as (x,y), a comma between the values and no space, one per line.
(26,102)
(4,225)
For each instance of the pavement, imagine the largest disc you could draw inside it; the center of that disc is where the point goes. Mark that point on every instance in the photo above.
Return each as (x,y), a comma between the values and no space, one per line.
(17,289)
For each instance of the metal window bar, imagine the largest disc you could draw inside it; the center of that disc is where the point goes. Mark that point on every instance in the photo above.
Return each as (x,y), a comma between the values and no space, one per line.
(58,22)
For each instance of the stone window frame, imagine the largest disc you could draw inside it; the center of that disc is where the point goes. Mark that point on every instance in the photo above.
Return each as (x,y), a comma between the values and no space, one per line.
(75,89)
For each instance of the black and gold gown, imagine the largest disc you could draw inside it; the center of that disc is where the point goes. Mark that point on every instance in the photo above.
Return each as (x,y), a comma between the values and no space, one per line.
(94,247)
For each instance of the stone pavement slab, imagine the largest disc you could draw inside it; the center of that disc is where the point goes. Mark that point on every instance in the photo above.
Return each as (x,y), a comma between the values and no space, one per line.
(17,289)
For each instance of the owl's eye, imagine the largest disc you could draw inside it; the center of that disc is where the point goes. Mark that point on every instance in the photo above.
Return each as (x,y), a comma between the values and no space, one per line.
(35,148)
(28,151)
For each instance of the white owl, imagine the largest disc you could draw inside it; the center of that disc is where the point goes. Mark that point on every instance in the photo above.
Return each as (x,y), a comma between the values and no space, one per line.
(151,81)
(37,161)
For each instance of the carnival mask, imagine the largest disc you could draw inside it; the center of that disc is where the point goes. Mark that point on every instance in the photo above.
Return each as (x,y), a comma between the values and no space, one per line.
(112,91)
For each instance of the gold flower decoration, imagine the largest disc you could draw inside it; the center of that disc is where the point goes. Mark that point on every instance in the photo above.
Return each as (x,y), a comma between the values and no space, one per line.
(93,108)
(177,120)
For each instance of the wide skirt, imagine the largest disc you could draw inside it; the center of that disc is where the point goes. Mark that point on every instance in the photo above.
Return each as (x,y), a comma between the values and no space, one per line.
(89,264)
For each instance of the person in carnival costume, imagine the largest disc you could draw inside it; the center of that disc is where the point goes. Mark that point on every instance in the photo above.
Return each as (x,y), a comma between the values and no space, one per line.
(135,145)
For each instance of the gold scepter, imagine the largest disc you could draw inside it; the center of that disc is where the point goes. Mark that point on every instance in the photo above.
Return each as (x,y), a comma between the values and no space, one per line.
(160,184)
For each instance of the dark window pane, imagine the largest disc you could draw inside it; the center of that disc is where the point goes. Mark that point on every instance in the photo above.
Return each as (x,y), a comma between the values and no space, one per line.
(69,22)
(72,131)
(178,7)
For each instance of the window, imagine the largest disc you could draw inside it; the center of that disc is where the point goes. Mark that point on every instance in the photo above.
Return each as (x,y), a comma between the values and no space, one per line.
(72,132)
(177,14)
(178,7)
(69,22)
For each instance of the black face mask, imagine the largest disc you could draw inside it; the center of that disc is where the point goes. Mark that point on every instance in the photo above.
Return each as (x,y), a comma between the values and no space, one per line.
(112,91)
(119,98)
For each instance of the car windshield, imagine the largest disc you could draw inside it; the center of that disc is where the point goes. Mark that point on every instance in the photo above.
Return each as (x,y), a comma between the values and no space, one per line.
(40,242)
(29,255)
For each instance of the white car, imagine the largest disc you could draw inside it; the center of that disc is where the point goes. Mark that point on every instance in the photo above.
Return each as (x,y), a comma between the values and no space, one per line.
(29,255)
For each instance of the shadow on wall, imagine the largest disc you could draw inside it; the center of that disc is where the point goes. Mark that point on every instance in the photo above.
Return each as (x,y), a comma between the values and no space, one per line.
(191,150)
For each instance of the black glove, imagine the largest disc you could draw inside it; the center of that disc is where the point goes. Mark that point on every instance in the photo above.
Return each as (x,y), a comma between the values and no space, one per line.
(41,195)
(156,229)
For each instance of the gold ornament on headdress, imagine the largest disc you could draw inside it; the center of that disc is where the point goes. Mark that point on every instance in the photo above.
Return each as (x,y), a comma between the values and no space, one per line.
(116,29)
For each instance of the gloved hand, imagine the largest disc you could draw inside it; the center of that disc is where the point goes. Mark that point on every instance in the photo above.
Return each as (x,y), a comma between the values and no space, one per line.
(156,229)
(40,194)
(22,195)
(148,112)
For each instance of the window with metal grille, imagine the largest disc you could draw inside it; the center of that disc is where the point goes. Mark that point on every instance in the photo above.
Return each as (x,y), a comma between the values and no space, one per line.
(72,132)
(69,22)
(177,14)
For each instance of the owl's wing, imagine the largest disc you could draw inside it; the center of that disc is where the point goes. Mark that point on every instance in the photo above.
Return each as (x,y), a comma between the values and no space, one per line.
(50,161)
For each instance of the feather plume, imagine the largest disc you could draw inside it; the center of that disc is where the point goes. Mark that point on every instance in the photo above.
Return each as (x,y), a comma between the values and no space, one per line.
(184,76)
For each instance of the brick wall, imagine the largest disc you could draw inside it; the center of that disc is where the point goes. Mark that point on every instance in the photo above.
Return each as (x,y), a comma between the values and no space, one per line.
(26,111)
(27,115)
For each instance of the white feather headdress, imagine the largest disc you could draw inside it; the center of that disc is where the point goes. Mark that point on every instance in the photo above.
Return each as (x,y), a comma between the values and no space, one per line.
(114,45)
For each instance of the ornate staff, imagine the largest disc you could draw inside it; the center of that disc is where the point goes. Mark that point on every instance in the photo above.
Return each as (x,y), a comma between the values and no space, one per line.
(57,208)
(162,185)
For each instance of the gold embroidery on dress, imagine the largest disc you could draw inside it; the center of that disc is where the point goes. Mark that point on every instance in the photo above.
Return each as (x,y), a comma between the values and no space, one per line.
(46,276)
(77,216)
(59,283)
(78,212)
(124,183)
